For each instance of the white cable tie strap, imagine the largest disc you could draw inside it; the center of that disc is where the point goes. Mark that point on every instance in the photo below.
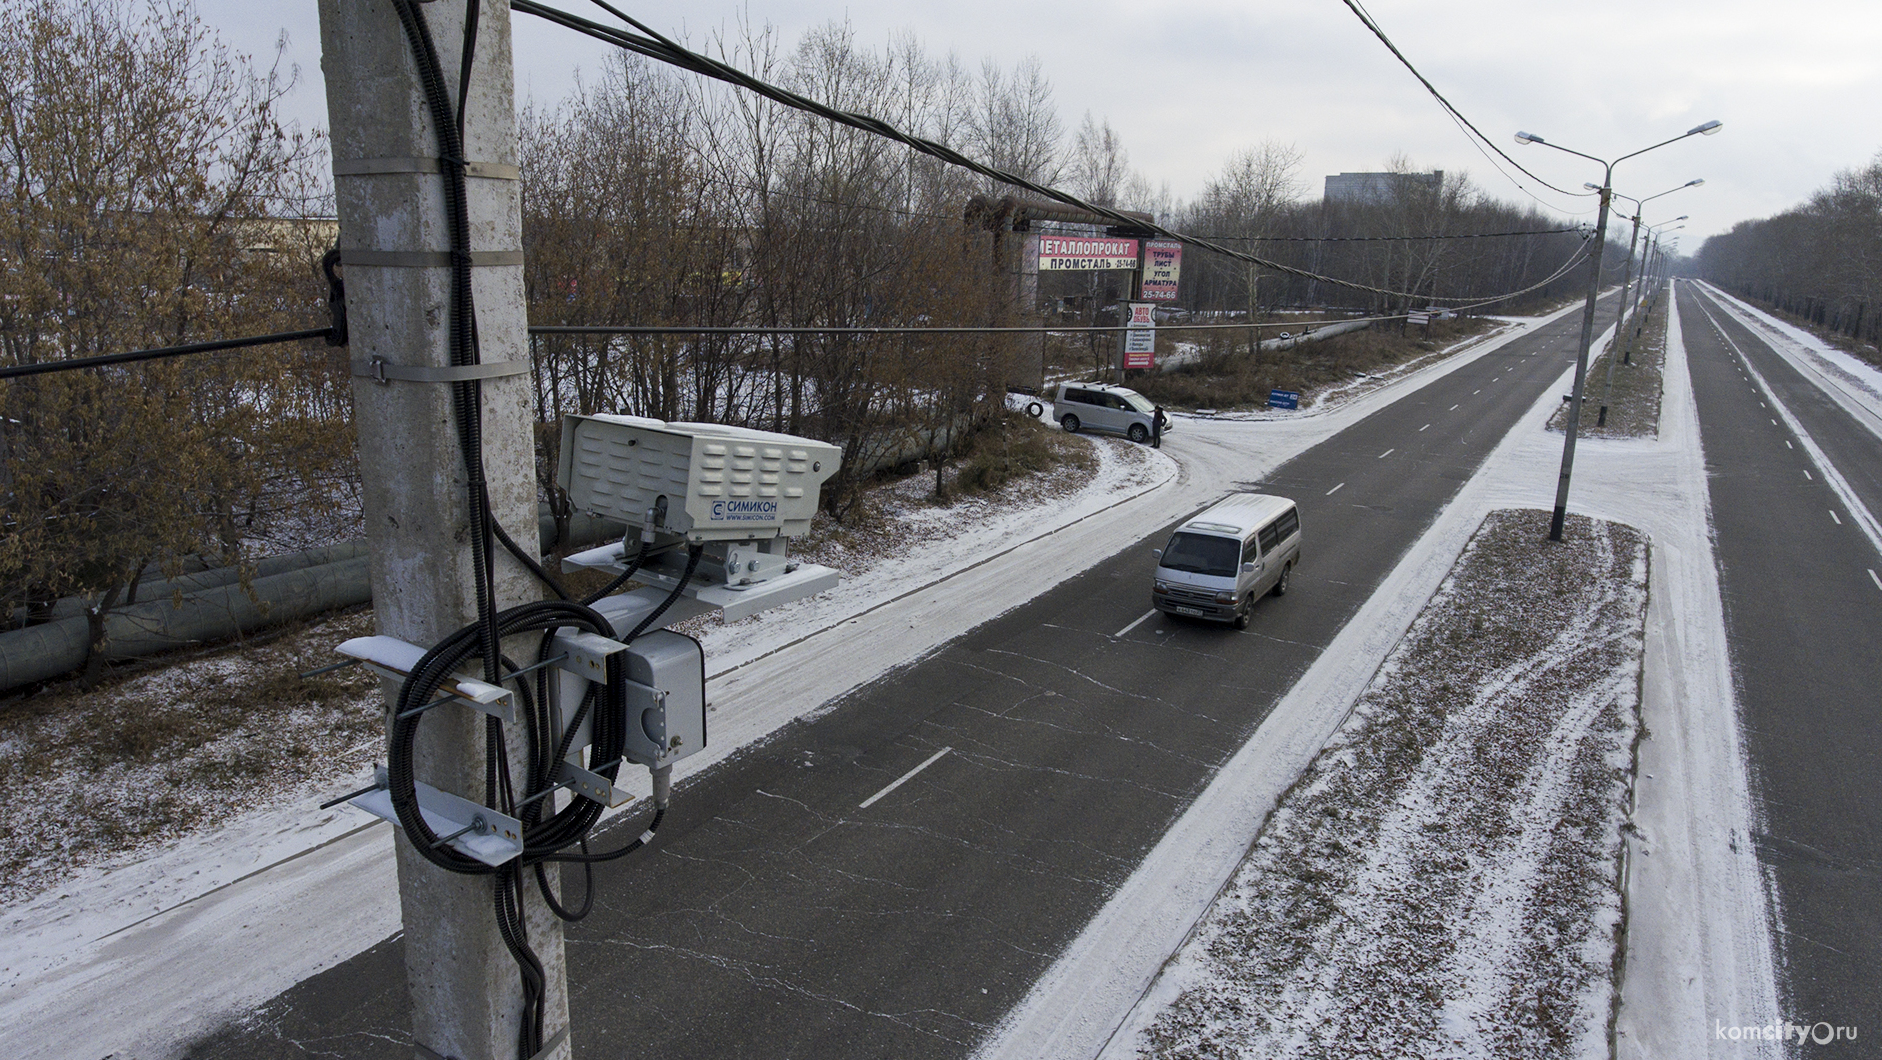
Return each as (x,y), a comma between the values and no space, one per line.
(646,837)
(379,371)
(374,167)
(427,259)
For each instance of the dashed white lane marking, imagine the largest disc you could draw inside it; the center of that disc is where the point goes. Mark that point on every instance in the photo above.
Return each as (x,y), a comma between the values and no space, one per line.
(1453,408)
(1387,453)
(1140,621)
(1808,475)
(1838,518)
(1788,445)
(1474,392)
(1426,427)
(1773,423)
(1874,578)
(1336,489)
(903,779)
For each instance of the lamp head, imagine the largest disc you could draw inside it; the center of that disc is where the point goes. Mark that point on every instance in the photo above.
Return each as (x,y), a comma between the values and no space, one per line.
(1682,217)
(1695,183)
(1529,138)
(1591,187)
(1707,129)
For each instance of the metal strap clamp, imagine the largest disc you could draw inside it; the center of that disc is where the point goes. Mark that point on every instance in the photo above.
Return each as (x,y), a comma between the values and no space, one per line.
(427,259)
(373,167)
(380,371)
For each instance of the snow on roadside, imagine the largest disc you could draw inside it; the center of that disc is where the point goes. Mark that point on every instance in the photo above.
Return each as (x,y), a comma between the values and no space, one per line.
(928,542)
(1443,880)
(1860,379)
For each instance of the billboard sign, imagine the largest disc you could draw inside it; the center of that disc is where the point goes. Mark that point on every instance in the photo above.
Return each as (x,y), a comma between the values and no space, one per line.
(1140,348)
(1283,399)
(1086,253)
(1163,263)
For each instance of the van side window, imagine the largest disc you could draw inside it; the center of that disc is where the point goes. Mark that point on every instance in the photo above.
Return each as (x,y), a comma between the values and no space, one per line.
(1270,537)
(1287,524)
(1083,397)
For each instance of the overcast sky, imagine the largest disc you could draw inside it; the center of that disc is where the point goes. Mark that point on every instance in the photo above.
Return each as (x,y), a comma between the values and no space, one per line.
(1187,83)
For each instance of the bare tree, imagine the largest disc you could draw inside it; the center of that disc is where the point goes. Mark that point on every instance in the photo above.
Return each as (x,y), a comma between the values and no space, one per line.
(152,198)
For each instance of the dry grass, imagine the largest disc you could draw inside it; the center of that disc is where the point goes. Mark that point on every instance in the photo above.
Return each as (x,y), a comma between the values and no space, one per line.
(1226,376)
(1633,405)
(177,747)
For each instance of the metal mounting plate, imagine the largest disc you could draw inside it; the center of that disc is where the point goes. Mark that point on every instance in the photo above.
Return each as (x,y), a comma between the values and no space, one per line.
(446,813)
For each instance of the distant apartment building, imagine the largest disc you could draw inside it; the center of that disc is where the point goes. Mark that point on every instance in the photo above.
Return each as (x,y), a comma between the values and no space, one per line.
(1376,187)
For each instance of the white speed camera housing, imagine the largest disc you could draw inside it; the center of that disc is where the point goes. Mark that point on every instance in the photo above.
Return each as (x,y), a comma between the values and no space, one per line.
(701,481)
(736,493)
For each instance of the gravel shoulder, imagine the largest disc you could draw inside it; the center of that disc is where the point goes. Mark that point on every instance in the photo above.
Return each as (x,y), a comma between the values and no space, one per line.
(1443,881)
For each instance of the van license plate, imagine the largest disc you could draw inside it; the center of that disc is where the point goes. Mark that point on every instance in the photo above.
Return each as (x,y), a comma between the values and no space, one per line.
(1197,611)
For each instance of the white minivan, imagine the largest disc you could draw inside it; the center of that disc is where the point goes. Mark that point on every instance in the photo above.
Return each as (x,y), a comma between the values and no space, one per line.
(1219,563)
(1105,407)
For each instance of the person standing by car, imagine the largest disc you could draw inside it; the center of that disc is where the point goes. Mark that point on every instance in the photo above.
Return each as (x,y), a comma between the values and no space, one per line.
(1157,423)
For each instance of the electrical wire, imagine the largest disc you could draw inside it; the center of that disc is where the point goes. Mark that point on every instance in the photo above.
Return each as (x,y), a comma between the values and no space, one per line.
(656,46)
(74,364)
(1394,239)
(603,707)
(1366,19)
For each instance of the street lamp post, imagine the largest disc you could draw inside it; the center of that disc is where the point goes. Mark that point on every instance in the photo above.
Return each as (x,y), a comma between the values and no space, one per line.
(1644,304)
(1606,191)
(1627,271)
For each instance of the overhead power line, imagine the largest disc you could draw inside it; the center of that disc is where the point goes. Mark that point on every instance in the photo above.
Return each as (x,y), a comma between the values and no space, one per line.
(1394,239)
(656,46)
(43,367)
(1365,17)
(133,356)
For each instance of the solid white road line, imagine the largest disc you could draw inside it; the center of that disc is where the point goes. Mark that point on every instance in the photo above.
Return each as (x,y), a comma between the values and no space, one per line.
(903,779)
(1335,489)
(1865,519)
(1140,621)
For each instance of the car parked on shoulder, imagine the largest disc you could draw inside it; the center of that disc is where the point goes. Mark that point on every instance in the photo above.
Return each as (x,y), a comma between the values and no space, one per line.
(1105,407)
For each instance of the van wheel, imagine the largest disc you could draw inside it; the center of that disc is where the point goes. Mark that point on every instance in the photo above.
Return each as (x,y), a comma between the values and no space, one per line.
(1035,410)
(1241,616)
(1070,423)
(1280,587)
(1139,433)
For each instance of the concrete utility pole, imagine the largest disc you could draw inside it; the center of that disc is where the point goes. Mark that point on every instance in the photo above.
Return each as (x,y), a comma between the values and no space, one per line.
(395,240)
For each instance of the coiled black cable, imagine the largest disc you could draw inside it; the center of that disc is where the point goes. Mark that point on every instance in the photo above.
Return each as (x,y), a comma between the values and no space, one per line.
(604,708)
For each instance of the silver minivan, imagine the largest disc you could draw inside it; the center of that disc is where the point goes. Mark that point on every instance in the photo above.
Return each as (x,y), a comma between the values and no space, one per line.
(1105,407)
(1219,563)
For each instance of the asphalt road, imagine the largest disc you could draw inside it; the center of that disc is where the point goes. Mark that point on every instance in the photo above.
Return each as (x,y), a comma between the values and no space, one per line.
(1803,608)
(780,917)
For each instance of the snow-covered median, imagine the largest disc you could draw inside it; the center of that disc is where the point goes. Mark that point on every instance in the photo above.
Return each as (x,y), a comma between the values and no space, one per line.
(1443,880)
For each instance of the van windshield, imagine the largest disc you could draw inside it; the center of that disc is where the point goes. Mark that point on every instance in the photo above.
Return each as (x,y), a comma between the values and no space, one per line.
(1203,554)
